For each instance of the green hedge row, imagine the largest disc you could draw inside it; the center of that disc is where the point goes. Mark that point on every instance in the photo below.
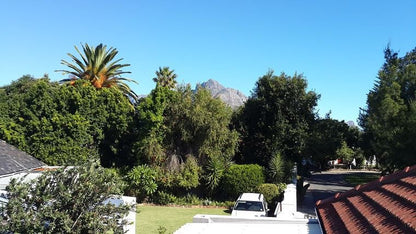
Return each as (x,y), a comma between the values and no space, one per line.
(242,179)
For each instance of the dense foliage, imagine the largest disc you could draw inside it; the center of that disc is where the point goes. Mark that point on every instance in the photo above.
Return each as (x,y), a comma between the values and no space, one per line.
(275,120)
(389,119)
(327,136)
(142,181)
(197,124)
(174,124)
(242,179)
(271,192)
(177,143)
(64,125)
(68,200)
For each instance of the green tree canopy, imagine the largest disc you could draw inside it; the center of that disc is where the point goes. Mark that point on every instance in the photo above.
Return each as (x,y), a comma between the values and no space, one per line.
(345,152)
(275,119)
(326,137)
(65,125)
(197,124)
(389,119)
(183,123)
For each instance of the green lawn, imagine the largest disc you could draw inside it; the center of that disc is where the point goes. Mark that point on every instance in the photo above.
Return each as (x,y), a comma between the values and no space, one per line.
(150,218)
(361,178)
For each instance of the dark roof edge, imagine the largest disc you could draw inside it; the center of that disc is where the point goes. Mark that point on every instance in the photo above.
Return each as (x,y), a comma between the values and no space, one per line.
(27,170)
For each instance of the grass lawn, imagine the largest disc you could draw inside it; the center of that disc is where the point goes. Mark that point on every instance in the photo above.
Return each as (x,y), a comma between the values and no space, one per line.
(361,178)
(150,218)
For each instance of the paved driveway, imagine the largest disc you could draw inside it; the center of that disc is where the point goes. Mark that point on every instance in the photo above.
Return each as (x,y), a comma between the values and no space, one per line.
(324,185)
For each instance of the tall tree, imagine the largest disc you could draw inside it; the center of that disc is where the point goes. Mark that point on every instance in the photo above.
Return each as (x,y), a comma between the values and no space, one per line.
(165,78)
(184,122)
(150,128)
(275,119)
(97,66)
(198,124)
(389,119)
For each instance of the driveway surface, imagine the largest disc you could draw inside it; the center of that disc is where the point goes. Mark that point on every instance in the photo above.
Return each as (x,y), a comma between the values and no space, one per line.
(324,185)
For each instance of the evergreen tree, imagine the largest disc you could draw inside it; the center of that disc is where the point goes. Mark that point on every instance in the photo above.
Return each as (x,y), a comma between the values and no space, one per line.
(389,119)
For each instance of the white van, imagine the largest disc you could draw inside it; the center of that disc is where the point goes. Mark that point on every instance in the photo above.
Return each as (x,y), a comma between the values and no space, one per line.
(250,205)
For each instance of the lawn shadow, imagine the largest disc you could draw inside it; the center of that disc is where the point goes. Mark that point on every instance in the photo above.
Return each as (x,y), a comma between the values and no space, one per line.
(228,211)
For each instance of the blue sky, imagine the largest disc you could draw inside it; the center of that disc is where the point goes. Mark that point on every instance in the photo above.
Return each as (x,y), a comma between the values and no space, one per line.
(337,45)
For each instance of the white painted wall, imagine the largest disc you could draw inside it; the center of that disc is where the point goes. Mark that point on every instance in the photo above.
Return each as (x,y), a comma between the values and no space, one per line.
(5,180)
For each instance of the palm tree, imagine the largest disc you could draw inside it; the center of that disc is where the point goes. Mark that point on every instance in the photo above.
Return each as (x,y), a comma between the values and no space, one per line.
(97,66)
(165,77)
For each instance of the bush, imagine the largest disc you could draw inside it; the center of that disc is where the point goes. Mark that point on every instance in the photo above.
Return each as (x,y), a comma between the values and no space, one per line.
(242,179)
(189,174)
(68,200)
(276,170)
(270,192)
(214,171)
(163,198)
(118,174)
(142,181)
(189,199)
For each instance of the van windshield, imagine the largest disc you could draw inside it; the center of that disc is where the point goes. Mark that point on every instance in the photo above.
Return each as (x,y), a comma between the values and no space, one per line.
(249,206)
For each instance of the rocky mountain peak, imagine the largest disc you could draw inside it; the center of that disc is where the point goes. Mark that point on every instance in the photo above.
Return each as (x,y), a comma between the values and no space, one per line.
(213,86)
(234,98)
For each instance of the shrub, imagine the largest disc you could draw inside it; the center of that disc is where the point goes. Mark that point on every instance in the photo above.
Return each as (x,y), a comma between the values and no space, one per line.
(270,192)
(213,173)
(163,198)
(189,199)
(119,176)
(242,179)
(68,200)
(189,174)
(276,170)
(165,179)
(142,181)
(181,180)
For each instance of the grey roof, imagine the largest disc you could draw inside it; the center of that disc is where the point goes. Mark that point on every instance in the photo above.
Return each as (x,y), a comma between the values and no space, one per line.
(13,160)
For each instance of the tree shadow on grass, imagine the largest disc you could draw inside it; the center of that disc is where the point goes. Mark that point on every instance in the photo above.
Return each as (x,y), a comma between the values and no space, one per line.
(228,211)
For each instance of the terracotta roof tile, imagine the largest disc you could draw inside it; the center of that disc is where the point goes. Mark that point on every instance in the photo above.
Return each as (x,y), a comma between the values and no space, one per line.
(387,205)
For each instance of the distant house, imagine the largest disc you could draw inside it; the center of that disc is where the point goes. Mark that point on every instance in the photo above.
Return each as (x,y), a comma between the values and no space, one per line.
(387,205)
(15,163)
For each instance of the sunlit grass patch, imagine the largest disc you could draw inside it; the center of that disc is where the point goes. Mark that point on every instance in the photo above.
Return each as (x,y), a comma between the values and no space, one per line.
(152,219)
(361,178)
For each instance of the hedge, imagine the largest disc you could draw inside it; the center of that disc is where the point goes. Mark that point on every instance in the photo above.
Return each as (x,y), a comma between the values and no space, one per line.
(242,179)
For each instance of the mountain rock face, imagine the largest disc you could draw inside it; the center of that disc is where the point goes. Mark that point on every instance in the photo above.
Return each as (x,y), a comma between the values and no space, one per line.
(351,124)
(231,97)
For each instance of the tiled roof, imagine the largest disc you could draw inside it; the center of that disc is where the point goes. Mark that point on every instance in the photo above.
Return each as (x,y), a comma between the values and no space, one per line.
(13,160)
(387,205)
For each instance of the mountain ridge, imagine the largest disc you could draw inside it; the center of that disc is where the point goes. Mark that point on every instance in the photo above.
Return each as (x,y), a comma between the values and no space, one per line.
(232,97)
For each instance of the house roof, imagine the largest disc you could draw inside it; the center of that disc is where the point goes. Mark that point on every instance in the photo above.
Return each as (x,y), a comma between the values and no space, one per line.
(13,160)
(386,205)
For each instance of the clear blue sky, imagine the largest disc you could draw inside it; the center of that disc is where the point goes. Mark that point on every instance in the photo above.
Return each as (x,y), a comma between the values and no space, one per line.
(337,45)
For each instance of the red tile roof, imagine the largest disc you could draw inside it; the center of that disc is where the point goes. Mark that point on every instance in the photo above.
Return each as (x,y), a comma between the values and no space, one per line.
(387,205)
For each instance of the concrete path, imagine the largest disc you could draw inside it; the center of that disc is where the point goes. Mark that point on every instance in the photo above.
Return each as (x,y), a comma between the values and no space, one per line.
(324,185)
